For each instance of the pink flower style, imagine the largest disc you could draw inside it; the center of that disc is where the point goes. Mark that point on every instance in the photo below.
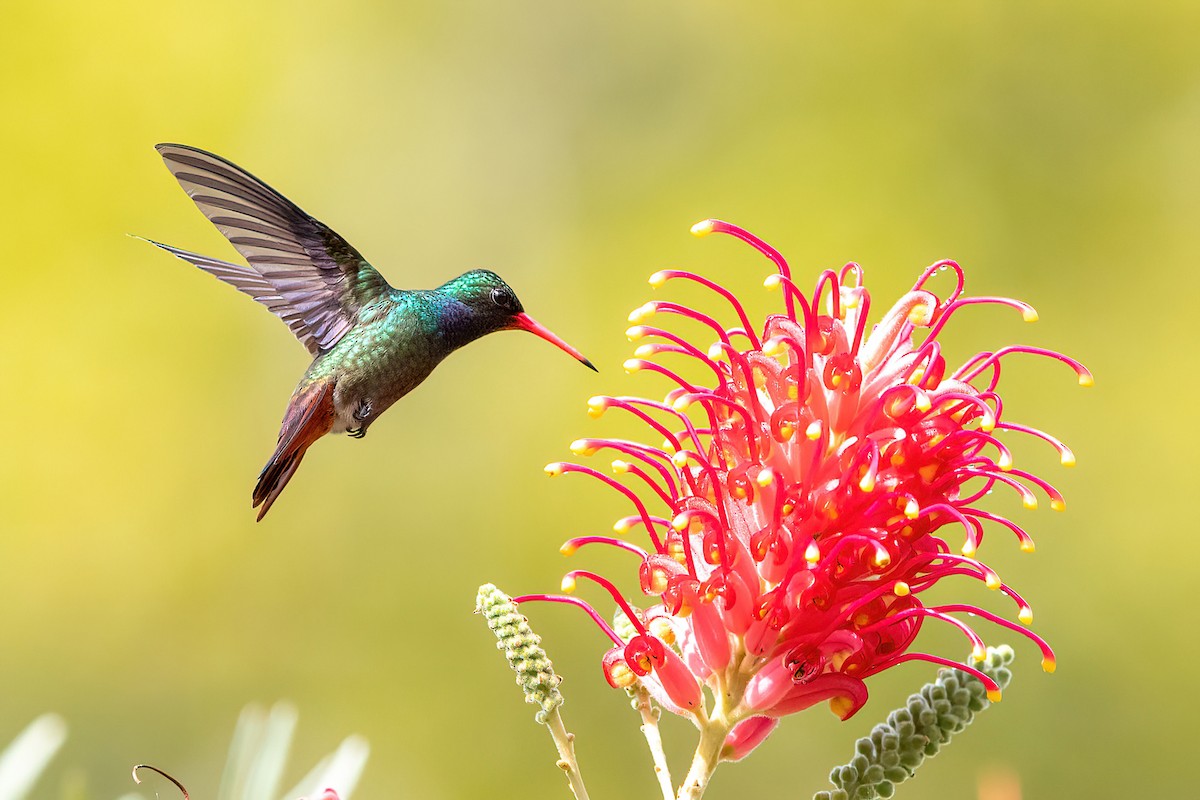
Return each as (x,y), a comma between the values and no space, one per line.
(808,510)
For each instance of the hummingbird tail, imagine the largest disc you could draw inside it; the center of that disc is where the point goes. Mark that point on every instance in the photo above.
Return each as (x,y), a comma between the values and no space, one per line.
(309,417)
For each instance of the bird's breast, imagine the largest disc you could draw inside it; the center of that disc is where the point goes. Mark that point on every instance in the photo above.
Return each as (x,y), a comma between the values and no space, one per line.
(375,365)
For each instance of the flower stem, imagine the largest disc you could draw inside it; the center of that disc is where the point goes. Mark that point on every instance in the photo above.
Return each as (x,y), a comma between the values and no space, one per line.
(708,753)
(565,742)
(650,731)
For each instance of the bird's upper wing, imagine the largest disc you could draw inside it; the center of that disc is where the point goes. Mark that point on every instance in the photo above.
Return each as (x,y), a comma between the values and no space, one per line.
(300,269)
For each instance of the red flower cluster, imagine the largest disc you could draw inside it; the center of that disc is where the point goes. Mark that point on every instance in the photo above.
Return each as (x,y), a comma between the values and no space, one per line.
(808,502)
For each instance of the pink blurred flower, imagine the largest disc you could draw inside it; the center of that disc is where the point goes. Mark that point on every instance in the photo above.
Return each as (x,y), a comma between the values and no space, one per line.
(790,528)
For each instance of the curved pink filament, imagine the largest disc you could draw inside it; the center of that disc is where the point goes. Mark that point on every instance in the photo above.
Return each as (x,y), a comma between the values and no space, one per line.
(623,489)
(922,611)
(1054,442)
(630,404)
(691,313)
(864,308)
(608,586)
(750,421)
(950,308)
(934,268)
(574,601)
(721,290)
(983,677)
(687,348)
(687,422)
(719,226)
(1080,369)
(580,541)
(1042,644)
(653,484)
(835,294)
(644,453)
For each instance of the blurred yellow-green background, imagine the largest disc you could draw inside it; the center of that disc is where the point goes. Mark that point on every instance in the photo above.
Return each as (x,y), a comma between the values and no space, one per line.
(1049,147)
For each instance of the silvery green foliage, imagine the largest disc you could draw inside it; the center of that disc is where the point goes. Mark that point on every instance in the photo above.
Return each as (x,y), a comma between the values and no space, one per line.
(23,761)
(523,649)
(894,750)
(259,751)
(257,755)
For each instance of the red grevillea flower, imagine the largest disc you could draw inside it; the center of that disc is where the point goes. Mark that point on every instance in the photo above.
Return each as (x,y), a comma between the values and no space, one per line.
(802,500)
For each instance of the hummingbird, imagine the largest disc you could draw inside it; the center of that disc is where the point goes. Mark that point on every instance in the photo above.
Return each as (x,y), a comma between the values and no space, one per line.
(371,343)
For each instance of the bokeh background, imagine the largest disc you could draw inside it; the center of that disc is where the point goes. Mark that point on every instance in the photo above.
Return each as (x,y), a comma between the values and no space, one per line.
(1051,148)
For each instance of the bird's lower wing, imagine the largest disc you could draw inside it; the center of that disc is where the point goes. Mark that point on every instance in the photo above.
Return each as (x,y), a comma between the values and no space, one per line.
(248,281)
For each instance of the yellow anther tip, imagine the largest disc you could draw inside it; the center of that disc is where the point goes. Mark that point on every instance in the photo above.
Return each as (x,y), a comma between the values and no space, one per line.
(968,550)
(1086,379)
(581,447)
(920,316)
(662,629)
(1025,615)
(657,279)
(841,706)
(642,312)
(772,347)
(1058,505)
(680,523)
(912,510)
(682,403)
(1067,459)
(992,581)
(994,695)
(923,402)
(773,281)
(765,478)
(867,484)
(621,526)
(987,424)
(901,589)
(632,365)
(978,653)
(568,549)
(1028,547)
(1029,315)
(644,350)
(554,470)
(680,459)
(1005,462)
(620,467)
(813,431)
(568,584)
(1049,665)
(703,228)
(635,332)
(1031,503)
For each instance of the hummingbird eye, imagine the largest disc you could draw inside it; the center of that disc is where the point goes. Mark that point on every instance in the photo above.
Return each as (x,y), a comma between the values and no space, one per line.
(503,298)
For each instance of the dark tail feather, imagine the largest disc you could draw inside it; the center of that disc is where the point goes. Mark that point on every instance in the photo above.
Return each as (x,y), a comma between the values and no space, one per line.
(308,418)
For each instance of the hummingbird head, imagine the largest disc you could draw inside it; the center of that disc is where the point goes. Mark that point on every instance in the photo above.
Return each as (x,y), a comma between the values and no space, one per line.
(492,305)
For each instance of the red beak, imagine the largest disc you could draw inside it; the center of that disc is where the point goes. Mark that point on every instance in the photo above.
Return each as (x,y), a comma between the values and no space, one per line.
(525,322)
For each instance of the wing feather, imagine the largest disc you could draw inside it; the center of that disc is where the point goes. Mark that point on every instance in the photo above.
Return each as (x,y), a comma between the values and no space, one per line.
(301,270)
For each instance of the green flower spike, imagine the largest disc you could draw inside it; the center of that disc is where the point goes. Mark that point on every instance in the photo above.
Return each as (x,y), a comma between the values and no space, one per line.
(523,649)
(894,750)
(535,674)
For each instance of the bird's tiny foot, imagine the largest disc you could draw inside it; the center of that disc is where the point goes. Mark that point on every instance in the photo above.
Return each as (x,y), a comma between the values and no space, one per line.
(357,433)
